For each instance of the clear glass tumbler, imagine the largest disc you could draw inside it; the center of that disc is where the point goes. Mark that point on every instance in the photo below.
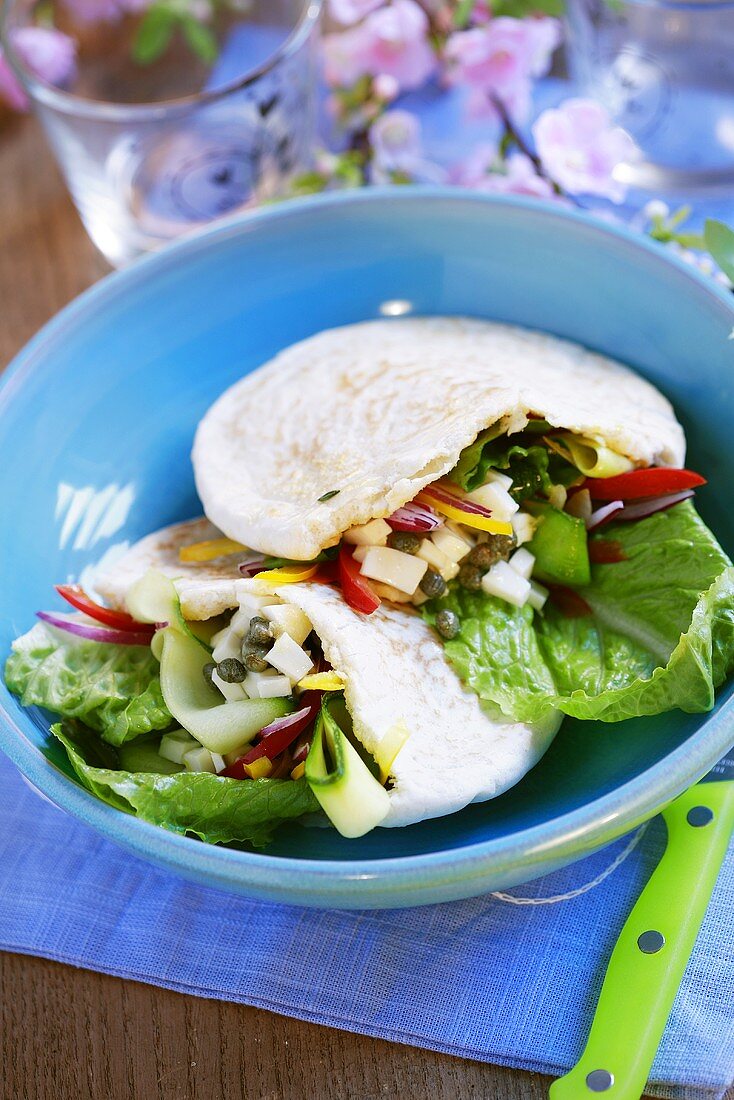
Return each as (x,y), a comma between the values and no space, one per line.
(665,70)
(159,134)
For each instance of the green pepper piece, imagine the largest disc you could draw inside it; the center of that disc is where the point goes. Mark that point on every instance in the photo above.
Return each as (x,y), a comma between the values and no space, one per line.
(561,550)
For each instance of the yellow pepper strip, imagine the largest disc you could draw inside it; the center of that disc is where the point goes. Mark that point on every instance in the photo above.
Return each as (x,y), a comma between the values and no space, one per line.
(287,574)
(258,769)
(209,550)
(321,681)
(299,770)
(389,747)
(469,519)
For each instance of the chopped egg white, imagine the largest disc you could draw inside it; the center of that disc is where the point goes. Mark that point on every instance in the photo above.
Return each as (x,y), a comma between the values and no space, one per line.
(495,497)
(523,562)
(267,685)
(250,601)
(538,595)
(438,560)
(523,524)
(402,571)
(227,643)
(373,533)
(199,760)
(460,532)
(288,657)
(286,619)
(455,547)
(557,496)
(502,581)
(360,553)
(233,693)
(218,762)
(174,746)
(494,477)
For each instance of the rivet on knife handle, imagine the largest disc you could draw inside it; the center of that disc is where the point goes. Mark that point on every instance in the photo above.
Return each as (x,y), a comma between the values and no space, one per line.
(648,961)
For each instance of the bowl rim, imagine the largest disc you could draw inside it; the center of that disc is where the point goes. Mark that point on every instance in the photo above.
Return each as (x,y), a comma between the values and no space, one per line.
(442,874)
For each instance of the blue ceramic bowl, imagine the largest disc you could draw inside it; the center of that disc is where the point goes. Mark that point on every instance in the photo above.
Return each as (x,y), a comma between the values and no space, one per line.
(97,418)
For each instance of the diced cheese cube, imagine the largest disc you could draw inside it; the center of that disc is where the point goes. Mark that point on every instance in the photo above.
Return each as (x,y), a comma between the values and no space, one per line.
(502,581)
(455,547)
(199,760)
(523,524)
(286,619)
(419,597)
(288,657)
(174,746)
(218,762)
(402,571)
(523,562)
(495,497)
(252,601)
(496,478)
(233,693)
(360,553)
(240,621)
(373,533)
(387,592)
(267,685)
(538,596)
(558,496)
(227,643)
(460,531)
(431,553)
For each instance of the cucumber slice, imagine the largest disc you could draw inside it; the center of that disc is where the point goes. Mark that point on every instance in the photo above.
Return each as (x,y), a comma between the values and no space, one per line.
(196,706)
(348,793)
(154,599)
(560,546)
(142,755)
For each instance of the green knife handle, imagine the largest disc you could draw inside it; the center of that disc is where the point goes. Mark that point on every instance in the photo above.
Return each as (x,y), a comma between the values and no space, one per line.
(651,954)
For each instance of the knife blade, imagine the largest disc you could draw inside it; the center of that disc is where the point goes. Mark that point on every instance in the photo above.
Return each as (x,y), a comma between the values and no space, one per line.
(648,961)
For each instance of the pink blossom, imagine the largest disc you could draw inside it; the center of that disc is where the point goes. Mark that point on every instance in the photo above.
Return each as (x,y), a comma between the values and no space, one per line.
(392,41)
(47,53)
(396,144)
(500,60)
(519,178)
(102,11)
(471,171)
(580,148)
(347,12)
(385,87)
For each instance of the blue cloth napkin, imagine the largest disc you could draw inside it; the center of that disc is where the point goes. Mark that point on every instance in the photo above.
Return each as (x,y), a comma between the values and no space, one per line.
(482,979)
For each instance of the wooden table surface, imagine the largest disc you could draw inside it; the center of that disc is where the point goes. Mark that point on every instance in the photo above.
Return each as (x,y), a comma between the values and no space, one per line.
(70,1034)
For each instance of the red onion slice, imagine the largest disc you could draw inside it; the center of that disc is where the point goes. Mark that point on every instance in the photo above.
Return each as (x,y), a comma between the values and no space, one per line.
(458,502)
(92,633)
(414,517)
(642,508)
(604,514)
(251,567)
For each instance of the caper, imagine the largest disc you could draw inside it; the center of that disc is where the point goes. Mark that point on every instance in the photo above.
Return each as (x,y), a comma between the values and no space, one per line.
(470,576)
(496,548)
(447,623)
(231,670)
(259,632)
(255,663)
(405,541)
(432,583)
(208,668)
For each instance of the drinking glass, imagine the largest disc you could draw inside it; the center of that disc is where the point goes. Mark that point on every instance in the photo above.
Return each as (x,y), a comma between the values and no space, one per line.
(665,70)
(155,146)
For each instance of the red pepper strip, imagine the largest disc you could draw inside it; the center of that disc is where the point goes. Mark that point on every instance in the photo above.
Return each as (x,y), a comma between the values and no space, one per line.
(606,551)
(77,597)
(355,588)
(652,482)
(328,573)
(568,602)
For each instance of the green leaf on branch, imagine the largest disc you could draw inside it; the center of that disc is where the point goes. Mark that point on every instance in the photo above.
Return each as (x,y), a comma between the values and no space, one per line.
(720,243)
(154,34)
(520,9)
(200,38)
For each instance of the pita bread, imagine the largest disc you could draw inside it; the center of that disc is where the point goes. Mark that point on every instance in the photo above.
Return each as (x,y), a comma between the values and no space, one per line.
(381,409)
(458,751)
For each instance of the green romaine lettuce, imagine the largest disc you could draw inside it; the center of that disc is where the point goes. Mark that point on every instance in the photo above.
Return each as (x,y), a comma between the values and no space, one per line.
(660,635)
(112,688)
(531,465)
(216,809)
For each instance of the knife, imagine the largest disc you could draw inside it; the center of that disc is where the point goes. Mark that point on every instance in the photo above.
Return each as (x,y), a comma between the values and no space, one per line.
(655,944)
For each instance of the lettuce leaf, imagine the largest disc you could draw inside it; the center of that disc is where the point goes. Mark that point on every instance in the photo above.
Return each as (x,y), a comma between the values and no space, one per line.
(216,809)
(531,465)
(660,634)
(114,689)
